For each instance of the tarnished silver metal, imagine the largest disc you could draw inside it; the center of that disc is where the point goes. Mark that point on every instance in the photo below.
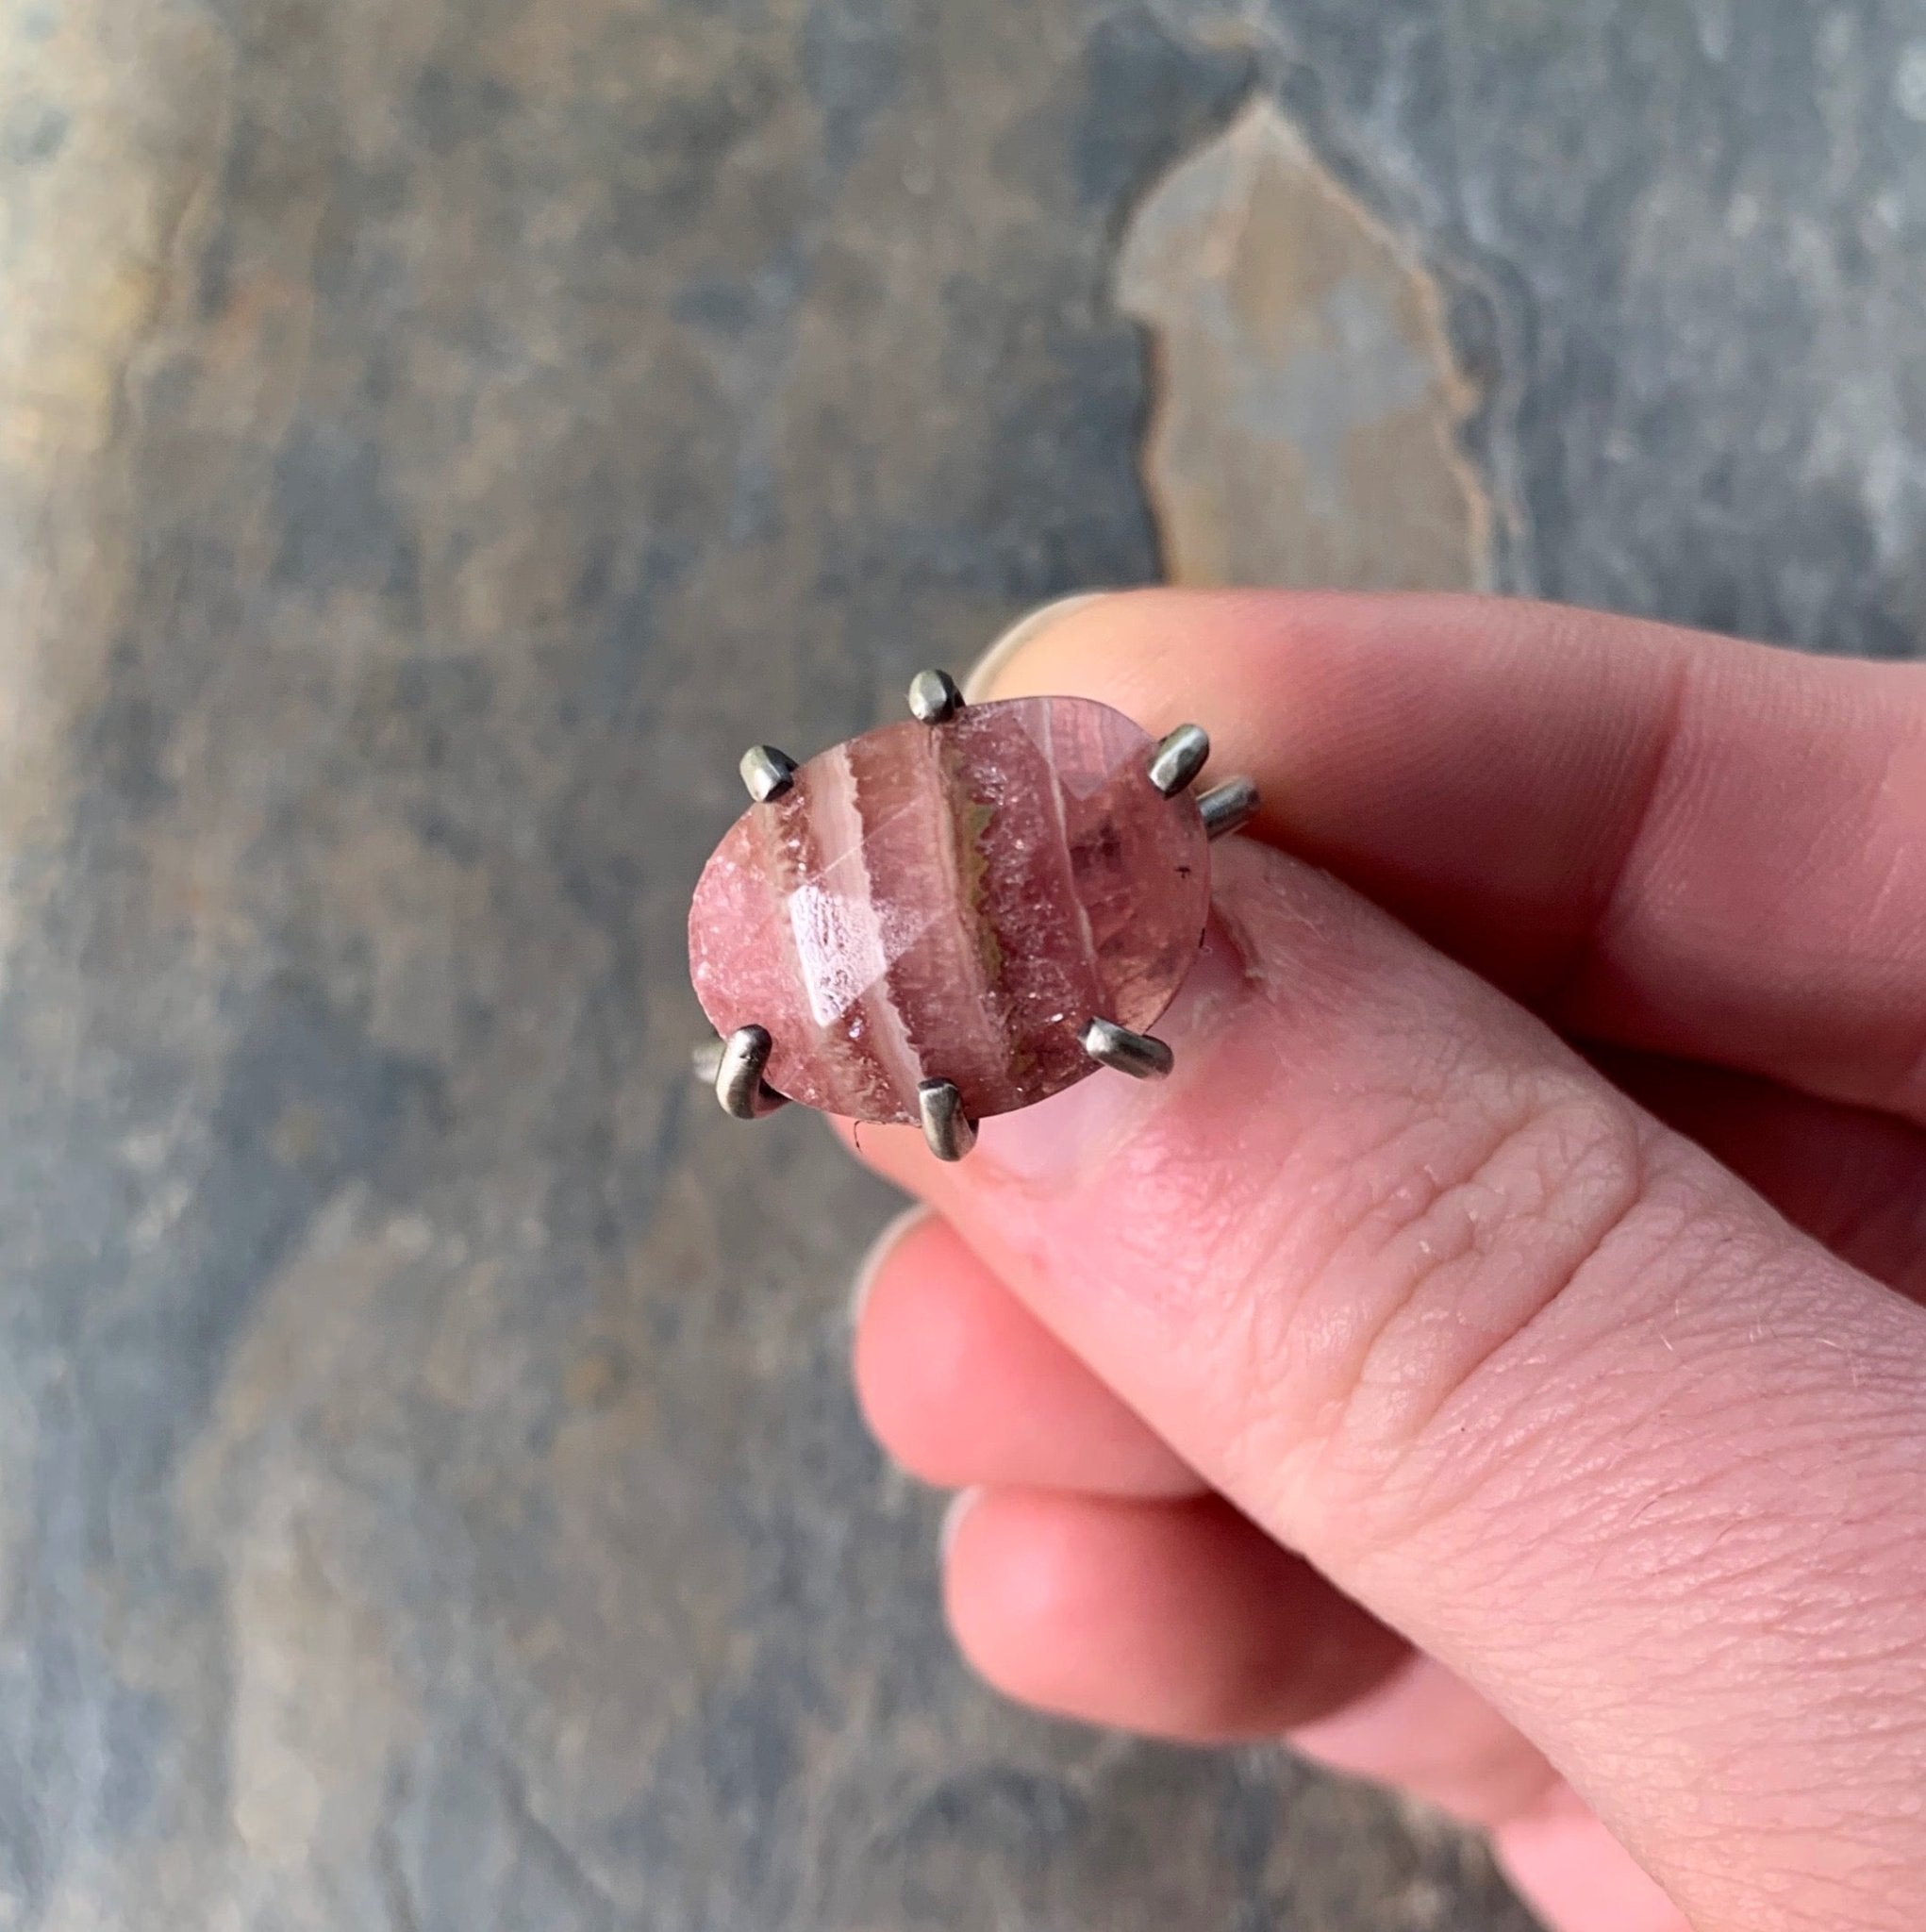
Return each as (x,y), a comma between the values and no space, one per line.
(1227,806)
(934,697)
(950,1131)
(706,1059)
(739,1085)
(1135,1054)
(767,772)
(1178,758)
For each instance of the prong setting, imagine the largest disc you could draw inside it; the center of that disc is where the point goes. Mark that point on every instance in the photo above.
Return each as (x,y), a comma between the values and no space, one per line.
(767,772)
(934,697)
(1227,807)
(1178,758)
(1118,1047)
(739,1085)
(950,1132)
(1006,803)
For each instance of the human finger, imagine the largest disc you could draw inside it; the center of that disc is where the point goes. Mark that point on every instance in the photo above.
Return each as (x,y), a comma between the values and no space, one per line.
(1172,1618)
(1531,1376)
(962,1384)
(1181,1620)
(1666,839)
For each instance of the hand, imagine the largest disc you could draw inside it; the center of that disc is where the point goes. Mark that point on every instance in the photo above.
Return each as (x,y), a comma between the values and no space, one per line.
(1495,1358)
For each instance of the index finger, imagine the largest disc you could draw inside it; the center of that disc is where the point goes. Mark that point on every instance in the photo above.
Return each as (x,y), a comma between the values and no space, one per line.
(1656,837)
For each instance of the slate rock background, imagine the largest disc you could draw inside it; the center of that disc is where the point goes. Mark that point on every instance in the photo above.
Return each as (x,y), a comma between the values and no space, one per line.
(435,435)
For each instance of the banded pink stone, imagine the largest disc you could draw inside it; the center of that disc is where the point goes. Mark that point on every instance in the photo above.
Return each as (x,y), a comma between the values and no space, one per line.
(952,902)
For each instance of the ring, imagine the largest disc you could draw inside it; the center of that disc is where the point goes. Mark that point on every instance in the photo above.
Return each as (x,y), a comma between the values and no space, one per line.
(955,916)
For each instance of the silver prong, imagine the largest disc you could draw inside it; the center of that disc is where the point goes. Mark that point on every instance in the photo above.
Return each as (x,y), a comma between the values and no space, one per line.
(1135,1054)
(934,697)
(1228,806)
(950,1131)
(706,1059)
(739,1085)
(767,772)
(1179,758)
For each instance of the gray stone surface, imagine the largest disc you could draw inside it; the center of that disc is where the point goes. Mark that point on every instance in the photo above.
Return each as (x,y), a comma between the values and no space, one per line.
(432,437)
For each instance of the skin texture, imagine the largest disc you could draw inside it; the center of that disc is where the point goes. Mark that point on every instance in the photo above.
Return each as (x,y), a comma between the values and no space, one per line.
(1495,1358)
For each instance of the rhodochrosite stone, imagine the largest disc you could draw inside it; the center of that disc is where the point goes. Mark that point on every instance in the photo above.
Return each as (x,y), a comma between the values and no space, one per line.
(952,902)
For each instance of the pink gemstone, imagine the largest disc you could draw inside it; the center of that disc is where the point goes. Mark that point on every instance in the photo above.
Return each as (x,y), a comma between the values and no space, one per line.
(952,902)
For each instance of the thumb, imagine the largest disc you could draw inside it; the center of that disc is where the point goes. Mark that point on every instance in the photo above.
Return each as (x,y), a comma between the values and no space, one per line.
(1521,1369)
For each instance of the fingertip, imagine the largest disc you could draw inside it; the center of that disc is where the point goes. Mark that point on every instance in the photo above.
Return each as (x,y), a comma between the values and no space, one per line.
(894,1234)
(911,1349)
(981,681)
(1157,654)
(1011,1578)
(1176,1619)
(961,1384)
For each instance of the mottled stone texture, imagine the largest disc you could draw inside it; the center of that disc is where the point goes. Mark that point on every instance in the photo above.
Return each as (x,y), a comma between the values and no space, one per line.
(435,436)
(1309,415)
(954,904)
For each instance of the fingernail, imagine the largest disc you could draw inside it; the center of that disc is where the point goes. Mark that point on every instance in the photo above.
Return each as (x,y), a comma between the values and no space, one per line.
(879,1251)
(1048,1148)
(961,1504)
(982,675)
